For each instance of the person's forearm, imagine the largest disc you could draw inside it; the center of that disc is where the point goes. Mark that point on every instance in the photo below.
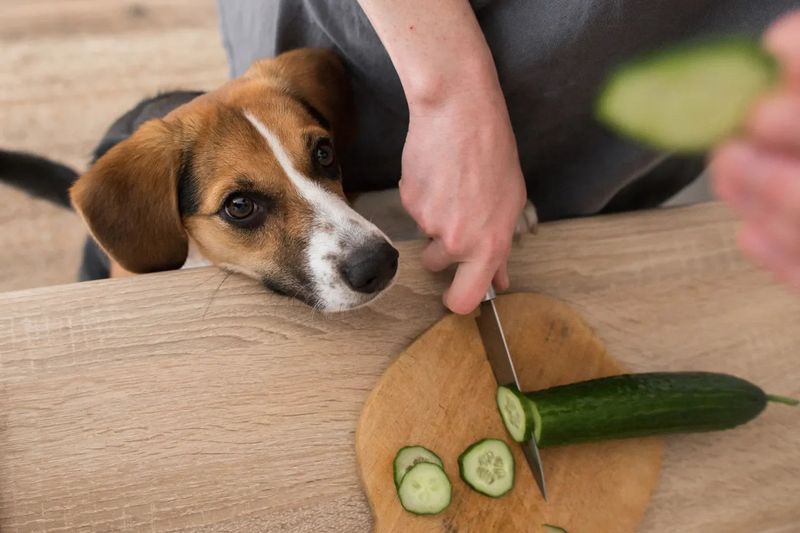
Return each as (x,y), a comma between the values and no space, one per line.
(460,174)
(437,48)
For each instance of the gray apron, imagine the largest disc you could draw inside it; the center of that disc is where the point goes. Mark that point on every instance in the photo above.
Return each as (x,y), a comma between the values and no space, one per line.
(551,56)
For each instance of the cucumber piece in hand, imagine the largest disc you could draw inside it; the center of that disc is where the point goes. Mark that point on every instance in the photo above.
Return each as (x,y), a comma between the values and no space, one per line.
(638,405)
(410,456)
(488,467)
(425,489)
(688,98)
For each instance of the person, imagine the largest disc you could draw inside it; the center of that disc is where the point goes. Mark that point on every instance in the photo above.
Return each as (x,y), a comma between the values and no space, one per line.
(476,106)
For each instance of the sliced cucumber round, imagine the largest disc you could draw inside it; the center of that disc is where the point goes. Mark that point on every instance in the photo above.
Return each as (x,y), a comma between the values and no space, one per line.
(515,409)
(410,456)
(688,98)
(425,489)
(549,528)
(488,467)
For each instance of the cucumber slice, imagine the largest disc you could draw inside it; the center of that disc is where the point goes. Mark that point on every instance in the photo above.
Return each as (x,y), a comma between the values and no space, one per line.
(688,98)
(549,528)
(488,467)
(410,456)
(425,489)
(515,410)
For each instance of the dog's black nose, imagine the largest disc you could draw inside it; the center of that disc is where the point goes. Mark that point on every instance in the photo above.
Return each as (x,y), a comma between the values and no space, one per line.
(371,267)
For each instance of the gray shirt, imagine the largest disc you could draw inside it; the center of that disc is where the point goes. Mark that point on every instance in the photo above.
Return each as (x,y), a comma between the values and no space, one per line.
(551,57)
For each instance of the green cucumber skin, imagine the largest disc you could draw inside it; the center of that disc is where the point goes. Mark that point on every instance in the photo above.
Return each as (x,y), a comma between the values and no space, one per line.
(636,405)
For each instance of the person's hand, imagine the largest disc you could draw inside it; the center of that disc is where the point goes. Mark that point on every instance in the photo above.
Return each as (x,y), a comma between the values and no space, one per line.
(461,179)
(759,174)
(462,184)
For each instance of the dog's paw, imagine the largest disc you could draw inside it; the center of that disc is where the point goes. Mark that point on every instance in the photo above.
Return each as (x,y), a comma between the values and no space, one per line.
(528,221)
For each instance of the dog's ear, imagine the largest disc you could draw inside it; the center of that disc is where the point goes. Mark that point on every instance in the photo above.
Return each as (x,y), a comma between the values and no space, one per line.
(318,79)
(129,199)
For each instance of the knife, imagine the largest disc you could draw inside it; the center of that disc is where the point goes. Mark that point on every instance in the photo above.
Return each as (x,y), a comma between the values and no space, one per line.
(499,356)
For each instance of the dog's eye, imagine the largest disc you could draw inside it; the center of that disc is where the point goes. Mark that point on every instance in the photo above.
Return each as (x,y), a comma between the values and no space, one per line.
(324,154)
(246,209)
(239,207)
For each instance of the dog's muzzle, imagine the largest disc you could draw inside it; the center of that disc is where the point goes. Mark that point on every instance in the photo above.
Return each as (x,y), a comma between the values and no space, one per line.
(371,267)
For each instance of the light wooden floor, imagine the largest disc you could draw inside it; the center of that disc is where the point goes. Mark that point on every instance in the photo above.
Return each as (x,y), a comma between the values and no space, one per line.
(69,68)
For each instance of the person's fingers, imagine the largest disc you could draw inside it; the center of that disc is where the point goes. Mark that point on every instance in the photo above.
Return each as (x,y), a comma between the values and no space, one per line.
(764,188)
(774,180)
(501,280)
(469,286)
(783,40)
(726,166)
(754,180)
(775,122)
(769,254)
(778,229)
(434,258)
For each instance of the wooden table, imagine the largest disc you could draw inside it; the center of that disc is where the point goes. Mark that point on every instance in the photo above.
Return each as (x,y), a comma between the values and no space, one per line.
(191,400)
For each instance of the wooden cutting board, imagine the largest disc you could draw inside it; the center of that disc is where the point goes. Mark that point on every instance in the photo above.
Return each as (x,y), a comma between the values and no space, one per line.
(440,393)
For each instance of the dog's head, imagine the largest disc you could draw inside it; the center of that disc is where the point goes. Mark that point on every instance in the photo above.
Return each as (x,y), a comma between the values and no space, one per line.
(249,173)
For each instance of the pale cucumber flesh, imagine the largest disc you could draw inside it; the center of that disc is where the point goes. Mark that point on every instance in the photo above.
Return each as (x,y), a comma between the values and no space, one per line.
(689,98)
(488,467)
(410,456)
(425,489)
(515,412)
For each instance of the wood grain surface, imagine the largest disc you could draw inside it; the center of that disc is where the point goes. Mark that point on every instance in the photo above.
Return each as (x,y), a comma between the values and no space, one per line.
(189,400)
(440,393)
(70,68)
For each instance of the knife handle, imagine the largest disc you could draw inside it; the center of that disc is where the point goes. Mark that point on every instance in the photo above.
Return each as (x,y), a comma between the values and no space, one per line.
(490,294)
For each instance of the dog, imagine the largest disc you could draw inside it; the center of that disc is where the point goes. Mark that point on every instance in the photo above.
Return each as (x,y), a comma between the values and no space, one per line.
(245,177)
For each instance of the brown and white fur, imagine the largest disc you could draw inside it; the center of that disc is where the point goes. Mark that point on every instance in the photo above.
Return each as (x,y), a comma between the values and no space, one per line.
(267,138)
(160,192)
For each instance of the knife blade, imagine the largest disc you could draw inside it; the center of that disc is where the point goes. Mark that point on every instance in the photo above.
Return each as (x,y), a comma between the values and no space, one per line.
(499,356)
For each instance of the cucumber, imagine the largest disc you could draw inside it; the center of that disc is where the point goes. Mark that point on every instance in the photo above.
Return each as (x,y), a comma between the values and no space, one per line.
(487,466)
(425,489)
(516,413)
(549,528)
(410,456)
(636,405)
(688,98)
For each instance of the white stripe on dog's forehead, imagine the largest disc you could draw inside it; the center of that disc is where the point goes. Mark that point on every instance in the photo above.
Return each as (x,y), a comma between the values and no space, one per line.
(325,247)
(321,200)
